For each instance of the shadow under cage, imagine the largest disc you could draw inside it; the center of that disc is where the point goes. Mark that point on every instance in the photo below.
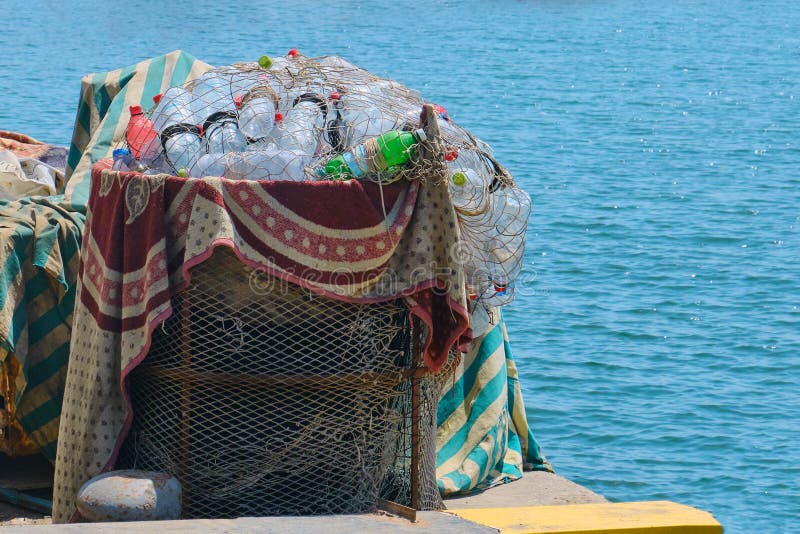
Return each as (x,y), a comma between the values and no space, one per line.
(263,398)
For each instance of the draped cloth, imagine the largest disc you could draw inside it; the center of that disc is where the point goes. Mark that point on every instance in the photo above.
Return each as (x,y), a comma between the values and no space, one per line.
(483,437)
(41,237)
(351,241)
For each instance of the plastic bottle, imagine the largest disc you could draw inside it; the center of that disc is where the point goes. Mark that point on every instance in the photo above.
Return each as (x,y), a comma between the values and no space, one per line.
(223,135)
(141,136)
(510,209)
(209,165)
(395,148)
(180,137)
(257,109)
(173,107)
(299,130)
(267,164)
(123,160)
(468,190)
(183,146)
(363,117)
(216,109)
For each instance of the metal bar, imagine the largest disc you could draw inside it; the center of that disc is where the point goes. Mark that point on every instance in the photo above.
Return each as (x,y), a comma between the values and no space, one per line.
(320,381)
(415,441)
(26,501)
(397,509)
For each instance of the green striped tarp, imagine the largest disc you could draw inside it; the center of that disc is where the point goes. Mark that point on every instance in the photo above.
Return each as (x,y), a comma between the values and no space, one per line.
(483,437)
(41,238)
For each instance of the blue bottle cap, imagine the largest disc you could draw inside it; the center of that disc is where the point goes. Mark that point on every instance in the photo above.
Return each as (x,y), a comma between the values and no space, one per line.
(119,152)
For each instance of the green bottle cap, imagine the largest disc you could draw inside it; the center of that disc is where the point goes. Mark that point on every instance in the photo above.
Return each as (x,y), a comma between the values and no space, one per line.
(265,62)
(182,173)
(459,178)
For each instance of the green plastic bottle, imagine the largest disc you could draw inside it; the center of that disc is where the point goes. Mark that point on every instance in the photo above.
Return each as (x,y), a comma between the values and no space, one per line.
(382,153)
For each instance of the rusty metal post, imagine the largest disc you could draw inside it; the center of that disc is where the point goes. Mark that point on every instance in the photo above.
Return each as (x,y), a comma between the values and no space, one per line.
(416,452)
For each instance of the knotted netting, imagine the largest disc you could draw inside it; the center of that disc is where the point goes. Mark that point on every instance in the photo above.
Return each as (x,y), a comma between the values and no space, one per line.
(263,398)
(299,118)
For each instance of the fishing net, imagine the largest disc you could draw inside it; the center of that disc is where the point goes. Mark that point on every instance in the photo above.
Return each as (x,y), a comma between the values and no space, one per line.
(299,118)
(265,399)
(262,398)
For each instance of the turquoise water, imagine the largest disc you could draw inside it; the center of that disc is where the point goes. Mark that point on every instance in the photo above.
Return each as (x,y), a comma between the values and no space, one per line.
(658,326)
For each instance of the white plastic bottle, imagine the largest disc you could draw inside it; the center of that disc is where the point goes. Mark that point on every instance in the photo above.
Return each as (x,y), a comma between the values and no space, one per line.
(223,135)
(173,107)
(299,131)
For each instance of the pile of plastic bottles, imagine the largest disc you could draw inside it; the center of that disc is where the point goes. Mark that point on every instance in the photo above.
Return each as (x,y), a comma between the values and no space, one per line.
(297,118)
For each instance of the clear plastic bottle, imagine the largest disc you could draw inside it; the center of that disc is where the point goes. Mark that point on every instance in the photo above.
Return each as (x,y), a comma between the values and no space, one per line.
(173,107)
(468,189)
(257,109)
(216,109)
(300,129)
(175,121)
(363,117)
(267,164)
(123,160)
(209,165)
(510,209)
(223,135)
(395,149)
(183,146)
(470,180)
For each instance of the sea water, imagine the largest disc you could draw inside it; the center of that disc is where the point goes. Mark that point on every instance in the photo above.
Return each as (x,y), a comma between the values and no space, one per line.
(657,323)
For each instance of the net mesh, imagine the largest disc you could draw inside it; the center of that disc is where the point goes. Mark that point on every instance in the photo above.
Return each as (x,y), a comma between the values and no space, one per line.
(265,399)
(299,118)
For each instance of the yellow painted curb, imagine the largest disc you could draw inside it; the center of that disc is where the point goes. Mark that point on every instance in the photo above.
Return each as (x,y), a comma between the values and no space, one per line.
(652,517)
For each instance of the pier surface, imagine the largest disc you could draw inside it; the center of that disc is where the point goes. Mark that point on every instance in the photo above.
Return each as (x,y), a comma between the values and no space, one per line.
(540,502)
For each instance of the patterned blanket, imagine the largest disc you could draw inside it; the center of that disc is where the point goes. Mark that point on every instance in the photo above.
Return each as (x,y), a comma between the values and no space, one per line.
(351,241)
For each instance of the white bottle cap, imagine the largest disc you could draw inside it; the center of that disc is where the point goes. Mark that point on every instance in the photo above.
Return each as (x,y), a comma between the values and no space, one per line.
(421,134)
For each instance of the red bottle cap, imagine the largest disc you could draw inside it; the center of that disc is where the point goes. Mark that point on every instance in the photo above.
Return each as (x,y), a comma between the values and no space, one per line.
(293,53)
(238,101)
(442,112)
(278,117)
(135,110)
(200,130)
(335,96)
(451,154)
(157,98)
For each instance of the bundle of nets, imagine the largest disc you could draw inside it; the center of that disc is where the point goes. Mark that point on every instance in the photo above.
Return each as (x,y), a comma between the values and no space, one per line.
(306,119)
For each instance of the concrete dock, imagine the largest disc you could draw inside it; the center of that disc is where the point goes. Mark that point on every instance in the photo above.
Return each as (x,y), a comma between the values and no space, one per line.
(539,502)
(535,488)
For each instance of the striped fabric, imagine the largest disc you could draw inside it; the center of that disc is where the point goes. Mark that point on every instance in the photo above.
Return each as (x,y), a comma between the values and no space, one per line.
(41,238)
(39,261)
(483,438)
(103,112)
